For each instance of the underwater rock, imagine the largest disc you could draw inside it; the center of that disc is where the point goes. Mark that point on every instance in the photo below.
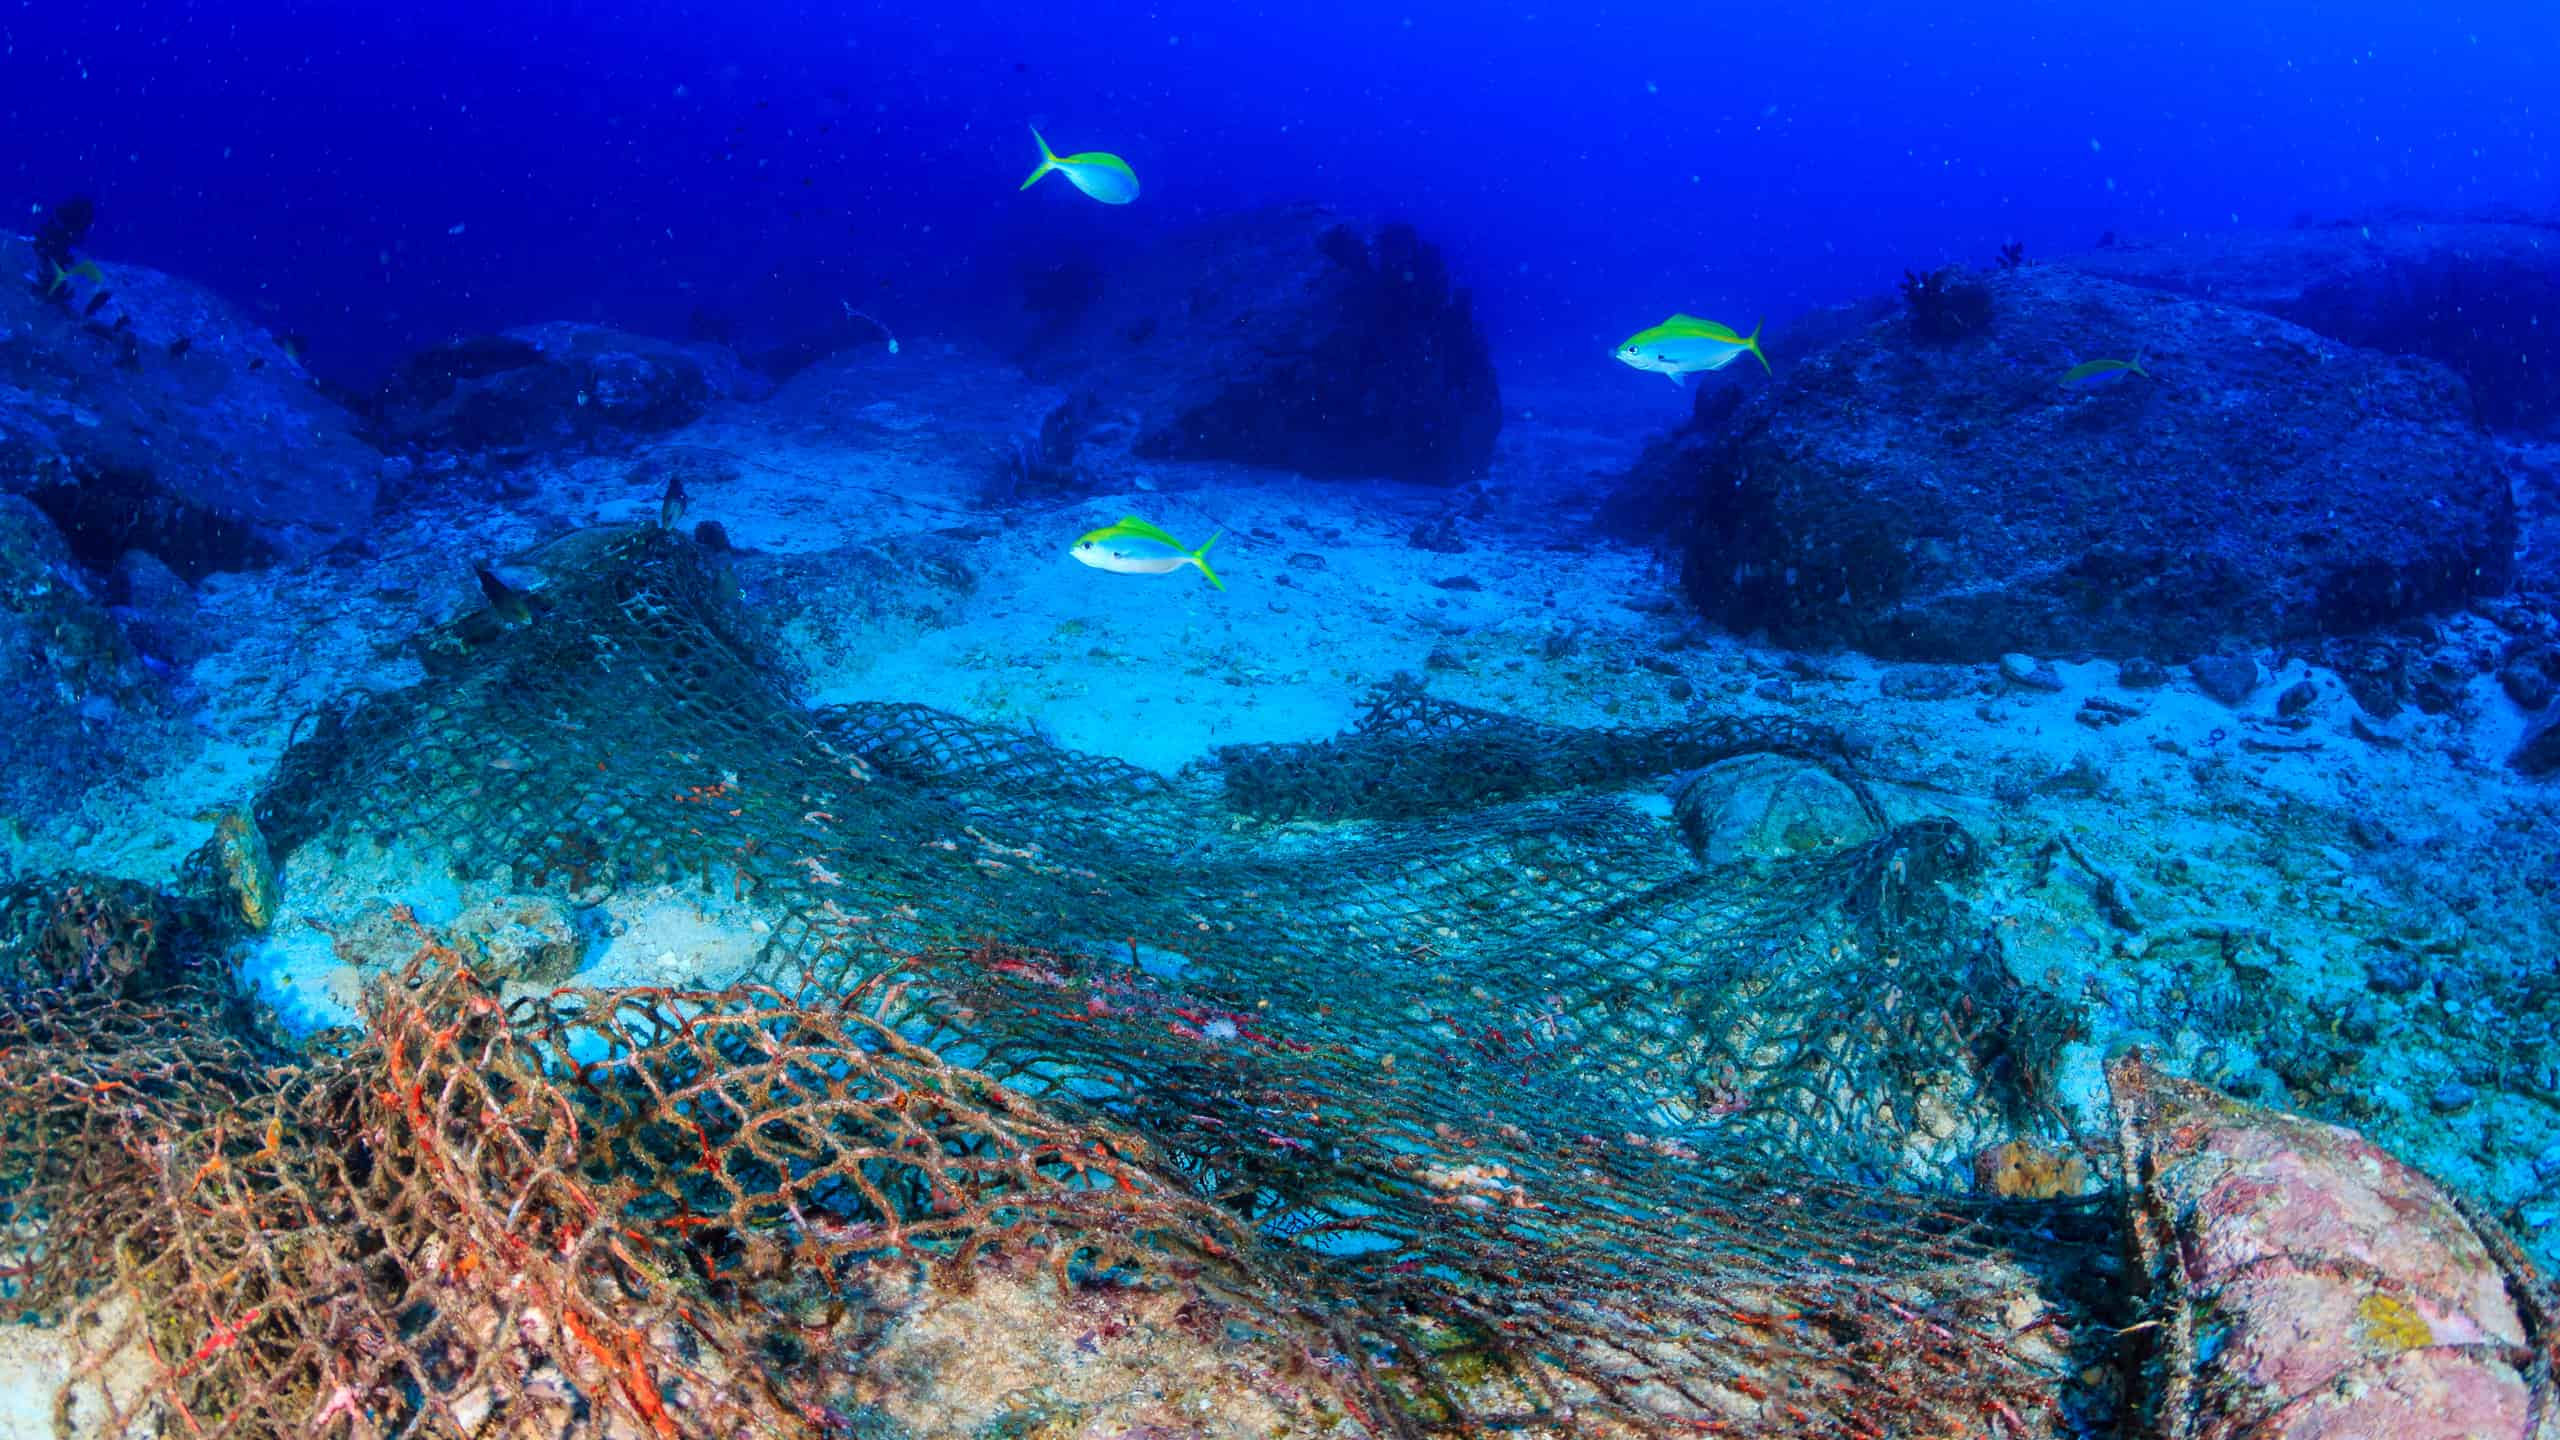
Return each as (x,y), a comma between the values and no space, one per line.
(2394,973)
(2539,752)
(1925,683)
(1946,305)
(2028,673)
(67,670)
(1293,337)
(2482,297)
(1957,502)
(1438,535)
(1765,807)
(219,457)
(157,609)
(547,385)
(2535,471)
(522,937)
(2227,678)
(2527,685)
(2310,1285)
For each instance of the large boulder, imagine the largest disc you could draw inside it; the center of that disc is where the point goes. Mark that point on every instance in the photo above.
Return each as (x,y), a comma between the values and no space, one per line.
(68,676)
(1292,337)
(1955,500)
(552,385)
(143,412)
(2481,296)
(2303,1283)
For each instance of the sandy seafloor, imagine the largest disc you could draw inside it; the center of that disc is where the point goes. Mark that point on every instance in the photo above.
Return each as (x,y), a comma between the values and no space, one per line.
(2274,871)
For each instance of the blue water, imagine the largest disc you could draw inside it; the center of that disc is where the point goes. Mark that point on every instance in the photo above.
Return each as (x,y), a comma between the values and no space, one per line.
(377,177)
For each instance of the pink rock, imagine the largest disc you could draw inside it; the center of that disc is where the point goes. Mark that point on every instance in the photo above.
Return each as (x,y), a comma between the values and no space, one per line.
(2417,1395)
(2312,1287)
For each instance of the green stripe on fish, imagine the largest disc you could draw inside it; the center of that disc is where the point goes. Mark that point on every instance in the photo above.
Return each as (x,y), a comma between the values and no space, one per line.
(1684,345)
(1131,546)
(2098,372)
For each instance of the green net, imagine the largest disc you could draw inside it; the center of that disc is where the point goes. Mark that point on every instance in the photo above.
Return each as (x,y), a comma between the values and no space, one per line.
(1432,1067)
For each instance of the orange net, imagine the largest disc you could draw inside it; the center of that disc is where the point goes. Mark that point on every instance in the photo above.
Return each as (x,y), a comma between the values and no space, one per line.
(1464,1111)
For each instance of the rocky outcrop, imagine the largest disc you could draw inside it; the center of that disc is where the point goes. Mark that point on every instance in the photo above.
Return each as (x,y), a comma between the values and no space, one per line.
(2307,1284)
(2481,296)
(2538,753)
(545,386)
(68,675)
(142,412)
(1956,501)
(1766,807)
(1293,337)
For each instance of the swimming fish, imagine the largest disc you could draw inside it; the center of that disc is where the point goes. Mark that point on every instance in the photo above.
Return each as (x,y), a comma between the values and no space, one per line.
(246,865)
(1684,345)
(1106,178)
(671,505)
(505,601)
(86,270)
(2089,374)
(1134,547)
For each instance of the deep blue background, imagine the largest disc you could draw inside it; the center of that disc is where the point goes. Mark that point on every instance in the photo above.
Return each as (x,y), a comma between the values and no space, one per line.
(1589,167)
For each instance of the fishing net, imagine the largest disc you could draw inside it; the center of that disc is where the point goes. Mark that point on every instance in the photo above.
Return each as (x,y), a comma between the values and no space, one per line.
(1420,1079)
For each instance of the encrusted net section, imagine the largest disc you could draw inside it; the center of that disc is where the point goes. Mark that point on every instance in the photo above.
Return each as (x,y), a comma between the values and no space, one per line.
(1415,755)
(61,941)
(1477,1104)
(641,1209)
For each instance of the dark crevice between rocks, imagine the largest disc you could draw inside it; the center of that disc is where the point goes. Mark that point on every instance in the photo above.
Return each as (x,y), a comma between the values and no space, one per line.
(103,514)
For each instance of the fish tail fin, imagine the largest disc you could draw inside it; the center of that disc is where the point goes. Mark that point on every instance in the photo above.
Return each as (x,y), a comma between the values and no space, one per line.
(1200,557)
(1048,160)
(1752,344)
(2136,366)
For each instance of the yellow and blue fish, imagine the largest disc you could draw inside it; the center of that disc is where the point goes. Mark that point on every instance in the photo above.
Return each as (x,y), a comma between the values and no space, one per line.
(1131,546)
(86,270)
(1684,345)
(2090,374)
(1105,177)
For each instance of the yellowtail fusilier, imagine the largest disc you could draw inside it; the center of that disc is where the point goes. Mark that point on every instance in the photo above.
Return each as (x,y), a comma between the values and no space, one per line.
(87,270)
(1131,546)
(1105,177)
(1684,345)
(2090,374)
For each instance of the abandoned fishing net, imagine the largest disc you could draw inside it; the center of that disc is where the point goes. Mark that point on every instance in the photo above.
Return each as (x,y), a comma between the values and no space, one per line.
(1412,1083)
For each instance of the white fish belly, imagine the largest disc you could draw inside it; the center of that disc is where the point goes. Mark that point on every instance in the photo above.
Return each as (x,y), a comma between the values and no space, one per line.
(1696,355)
(1137,564)
(1108,186)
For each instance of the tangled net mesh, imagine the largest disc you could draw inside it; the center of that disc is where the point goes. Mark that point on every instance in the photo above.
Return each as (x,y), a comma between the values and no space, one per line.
(1433,1084)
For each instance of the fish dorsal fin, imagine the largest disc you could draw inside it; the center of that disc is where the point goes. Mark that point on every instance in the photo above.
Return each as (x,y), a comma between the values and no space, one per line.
(1145,531)
(1692,325)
